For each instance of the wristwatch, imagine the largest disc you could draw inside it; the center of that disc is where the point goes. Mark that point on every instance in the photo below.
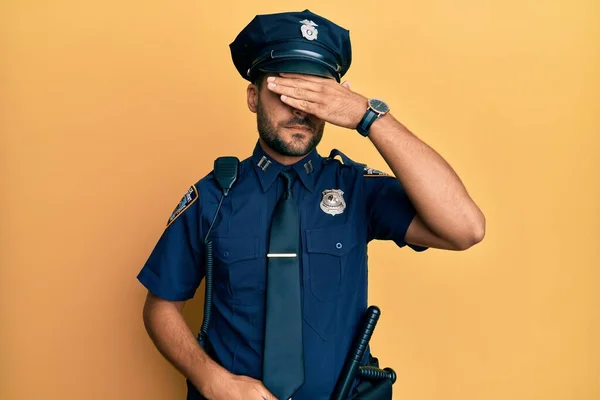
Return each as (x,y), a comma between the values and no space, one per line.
(377,108)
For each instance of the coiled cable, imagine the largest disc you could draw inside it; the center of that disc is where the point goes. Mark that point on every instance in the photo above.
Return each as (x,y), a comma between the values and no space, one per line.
(208,296)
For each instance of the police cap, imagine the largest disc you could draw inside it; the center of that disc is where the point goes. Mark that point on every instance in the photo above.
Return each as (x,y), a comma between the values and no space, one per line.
(294,42)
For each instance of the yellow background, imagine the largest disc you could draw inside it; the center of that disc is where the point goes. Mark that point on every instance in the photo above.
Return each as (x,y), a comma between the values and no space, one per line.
(110,110)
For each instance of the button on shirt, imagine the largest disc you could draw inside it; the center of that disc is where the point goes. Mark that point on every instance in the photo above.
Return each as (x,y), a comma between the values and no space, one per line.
(343,206)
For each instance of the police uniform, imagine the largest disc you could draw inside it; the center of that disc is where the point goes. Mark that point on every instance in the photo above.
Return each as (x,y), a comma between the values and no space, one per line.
(343,205)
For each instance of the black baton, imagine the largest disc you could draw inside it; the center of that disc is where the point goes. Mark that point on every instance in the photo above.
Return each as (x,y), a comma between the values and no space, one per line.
(346,378)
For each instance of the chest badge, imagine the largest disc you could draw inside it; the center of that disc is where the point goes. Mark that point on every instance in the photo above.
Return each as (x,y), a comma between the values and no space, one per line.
(333,202)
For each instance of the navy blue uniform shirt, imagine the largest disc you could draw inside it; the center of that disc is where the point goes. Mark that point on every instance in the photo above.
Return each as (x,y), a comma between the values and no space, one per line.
(343,206)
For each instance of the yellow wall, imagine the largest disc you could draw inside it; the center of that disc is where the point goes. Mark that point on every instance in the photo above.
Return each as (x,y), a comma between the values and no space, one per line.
(109,110)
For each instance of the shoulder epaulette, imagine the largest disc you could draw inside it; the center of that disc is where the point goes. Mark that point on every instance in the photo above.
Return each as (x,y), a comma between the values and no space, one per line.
(345,160)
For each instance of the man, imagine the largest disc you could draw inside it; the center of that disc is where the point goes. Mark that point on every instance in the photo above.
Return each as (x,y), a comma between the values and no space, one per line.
(290,238)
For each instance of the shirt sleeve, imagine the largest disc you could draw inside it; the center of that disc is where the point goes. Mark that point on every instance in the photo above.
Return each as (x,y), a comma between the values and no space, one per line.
(175,266)
(389,210)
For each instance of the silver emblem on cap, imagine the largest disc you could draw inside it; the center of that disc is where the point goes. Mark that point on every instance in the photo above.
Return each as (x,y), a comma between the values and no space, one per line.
(308,29)
(333,202)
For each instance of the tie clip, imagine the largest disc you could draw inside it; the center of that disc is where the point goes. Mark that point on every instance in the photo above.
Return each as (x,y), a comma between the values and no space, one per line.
(282,255)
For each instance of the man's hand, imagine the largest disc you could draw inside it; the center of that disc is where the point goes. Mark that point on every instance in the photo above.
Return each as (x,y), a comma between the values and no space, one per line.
(321,97)
(239,387)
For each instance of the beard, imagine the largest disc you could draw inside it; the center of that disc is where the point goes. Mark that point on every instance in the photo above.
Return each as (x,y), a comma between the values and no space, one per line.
(269,133)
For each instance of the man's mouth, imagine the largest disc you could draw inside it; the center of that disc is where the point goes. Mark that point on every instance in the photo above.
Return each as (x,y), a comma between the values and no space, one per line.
(300,127)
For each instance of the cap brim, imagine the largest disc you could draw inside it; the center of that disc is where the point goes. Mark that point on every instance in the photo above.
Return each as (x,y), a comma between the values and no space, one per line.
(298,67)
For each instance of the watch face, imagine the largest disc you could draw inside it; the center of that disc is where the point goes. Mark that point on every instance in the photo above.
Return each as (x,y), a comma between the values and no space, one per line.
(379,106)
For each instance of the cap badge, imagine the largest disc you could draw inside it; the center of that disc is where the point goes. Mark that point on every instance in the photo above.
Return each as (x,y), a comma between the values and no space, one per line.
(308,29)
(333,202)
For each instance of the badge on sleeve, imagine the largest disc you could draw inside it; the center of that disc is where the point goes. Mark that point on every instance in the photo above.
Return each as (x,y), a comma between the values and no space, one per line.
(188,199)
(333,201)
(373,172)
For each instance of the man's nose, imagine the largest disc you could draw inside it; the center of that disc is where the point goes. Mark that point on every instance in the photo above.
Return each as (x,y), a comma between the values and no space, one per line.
(299,113)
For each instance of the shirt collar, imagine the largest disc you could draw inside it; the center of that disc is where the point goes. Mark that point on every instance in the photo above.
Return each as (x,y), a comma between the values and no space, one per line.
(267,169)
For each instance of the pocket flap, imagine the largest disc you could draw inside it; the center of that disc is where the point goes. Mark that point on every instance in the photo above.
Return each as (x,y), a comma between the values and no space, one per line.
(336,241)
(233,249)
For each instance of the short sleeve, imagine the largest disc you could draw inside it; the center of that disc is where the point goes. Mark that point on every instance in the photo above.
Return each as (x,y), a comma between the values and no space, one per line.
(389,210)
(175,266)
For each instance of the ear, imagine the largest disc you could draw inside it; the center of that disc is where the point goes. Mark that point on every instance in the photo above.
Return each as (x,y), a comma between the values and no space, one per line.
(252,97)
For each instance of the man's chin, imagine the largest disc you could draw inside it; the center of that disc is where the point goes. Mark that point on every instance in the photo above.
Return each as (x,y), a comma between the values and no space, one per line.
(296,151)
(292,143)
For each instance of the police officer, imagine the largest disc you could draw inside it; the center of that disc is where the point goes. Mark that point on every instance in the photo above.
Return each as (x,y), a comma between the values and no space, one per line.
(275,338)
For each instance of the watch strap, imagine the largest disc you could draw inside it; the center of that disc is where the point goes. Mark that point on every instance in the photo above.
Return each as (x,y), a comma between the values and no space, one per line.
(367,120)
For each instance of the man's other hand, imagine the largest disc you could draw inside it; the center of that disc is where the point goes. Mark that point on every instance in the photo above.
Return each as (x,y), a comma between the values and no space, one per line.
(240,387)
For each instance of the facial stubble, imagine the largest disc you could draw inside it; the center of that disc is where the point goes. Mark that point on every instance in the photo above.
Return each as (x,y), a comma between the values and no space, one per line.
(270,134)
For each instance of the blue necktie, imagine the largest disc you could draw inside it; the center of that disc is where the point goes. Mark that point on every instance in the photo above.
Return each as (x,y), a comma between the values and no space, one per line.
(283,363)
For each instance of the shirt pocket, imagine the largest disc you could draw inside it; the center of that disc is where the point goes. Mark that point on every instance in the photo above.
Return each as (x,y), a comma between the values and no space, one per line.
(329,262)
(239,269)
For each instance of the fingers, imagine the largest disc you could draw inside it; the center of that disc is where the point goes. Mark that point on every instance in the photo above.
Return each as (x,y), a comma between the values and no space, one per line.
(310,78)
(266,394)
(269,396)
(295,92)
(302,105)
(262,391)
(321,97)
(299,81)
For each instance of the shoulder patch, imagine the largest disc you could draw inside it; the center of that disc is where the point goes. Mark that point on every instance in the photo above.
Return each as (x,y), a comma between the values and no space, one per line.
(373,172)
(188,199)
